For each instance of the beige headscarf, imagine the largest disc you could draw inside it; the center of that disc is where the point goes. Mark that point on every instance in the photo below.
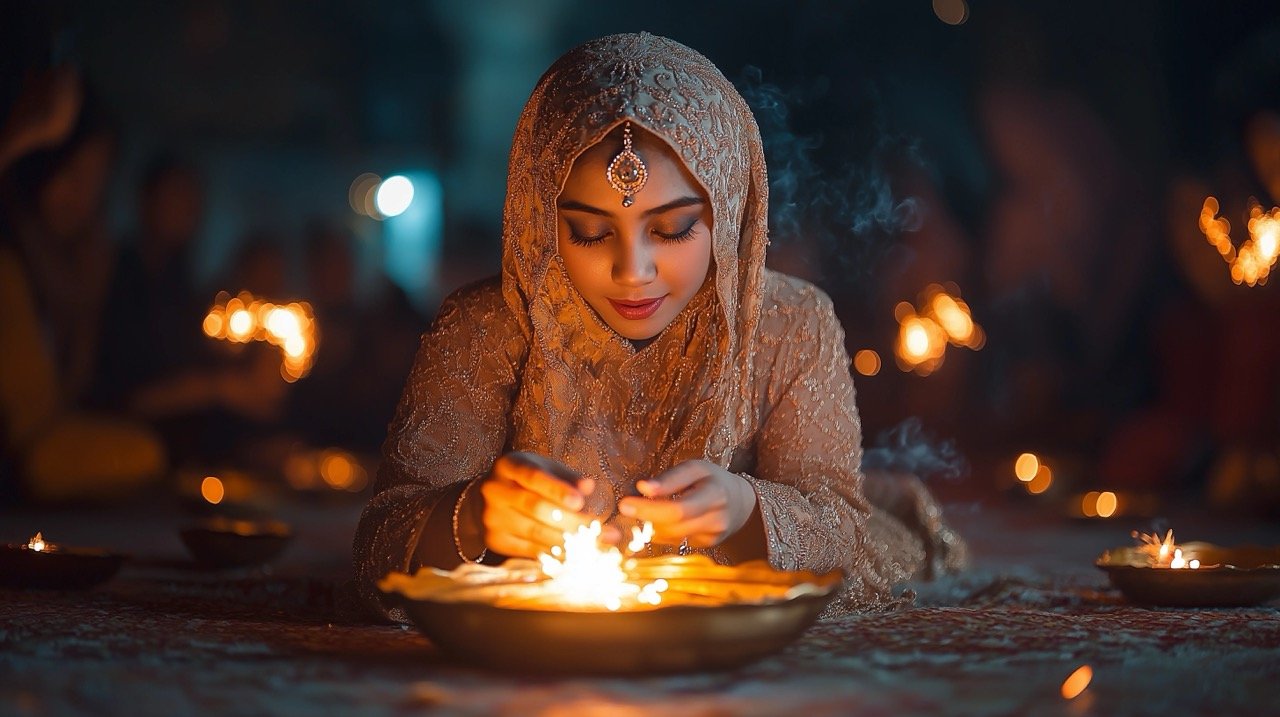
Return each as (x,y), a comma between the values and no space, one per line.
(586,396)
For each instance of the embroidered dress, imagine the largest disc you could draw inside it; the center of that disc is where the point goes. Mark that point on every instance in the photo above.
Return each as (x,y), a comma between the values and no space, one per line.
(752,374)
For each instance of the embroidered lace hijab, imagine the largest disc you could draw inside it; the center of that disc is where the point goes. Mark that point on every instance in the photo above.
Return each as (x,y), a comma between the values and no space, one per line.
(587,397)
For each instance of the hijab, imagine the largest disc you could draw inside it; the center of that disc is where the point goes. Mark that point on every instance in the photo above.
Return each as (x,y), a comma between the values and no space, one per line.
(587,396)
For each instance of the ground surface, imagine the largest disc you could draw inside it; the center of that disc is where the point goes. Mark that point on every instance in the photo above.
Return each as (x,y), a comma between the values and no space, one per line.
(164,638)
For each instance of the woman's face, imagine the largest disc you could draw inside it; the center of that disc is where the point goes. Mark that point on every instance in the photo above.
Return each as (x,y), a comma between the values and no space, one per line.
(637,266)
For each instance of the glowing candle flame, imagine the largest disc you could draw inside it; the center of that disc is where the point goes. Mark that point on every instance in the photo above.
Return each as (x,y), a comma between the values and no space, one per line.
(36,543)
(583,573)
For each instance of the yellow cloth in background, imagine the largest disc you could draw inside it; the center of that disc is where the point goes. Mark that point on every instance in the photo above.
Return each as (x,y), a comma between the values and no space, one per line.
(61,454)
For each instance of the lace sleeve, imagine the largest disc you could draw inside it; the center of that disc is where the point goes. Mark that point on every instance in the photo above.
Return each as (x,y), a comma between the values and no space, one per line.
(450,425)
(807,478)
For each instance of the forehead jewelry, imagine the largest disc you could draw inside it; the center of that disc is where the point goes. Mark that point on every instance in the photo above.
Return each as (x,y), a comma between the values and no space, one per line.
(627,173)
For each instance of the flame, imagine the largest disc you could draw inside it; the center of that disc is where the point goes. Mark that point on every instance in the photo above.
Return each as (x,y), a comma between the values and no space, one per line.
(1164,553)
(1077,682)
(37,543)
(1250,264)
(583,573)
(924,334)
(291,327)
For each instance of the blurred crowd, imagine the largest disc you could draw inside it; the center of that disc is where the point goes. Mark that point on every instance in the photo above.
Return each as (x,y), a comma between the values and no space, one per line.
(107,382)
(1057,190)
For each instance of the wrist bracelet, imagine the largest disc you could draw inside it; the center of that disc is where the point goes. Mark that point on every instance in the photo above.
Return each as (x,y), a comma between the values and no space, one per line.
(457,539)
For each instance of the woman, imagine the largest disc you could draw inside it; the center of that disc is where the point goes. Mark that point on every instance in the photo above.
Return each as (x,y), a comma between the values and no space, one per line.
(635,360)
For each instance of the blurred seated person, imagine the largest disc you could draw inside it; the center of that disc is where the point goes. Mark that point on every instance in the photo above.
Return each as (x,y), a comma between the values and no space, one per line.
(365,349)
(157,364)
(55,159)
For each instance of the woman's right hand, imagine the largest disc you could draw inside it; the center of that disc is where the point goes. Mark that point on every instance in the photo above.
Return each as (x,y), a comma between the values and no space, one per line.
(529,502)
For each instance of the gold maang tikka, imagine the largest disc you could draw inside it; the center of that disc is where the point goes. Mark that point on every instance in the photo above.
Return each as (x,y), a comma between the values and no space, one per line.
(627,173)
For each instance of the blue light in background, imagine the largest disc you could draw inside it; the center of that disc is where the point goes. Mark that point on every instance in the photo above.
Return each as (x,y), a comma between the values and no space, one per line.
(411,240)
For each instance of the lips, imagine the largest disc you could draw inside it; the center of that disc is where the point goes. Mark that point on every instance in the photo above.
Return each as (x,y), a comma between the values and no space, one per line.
(636,310)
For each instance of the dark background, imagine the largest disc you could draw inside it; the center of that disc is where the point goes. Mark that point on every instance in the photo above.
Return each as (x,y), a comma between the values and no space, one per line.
(1049,158)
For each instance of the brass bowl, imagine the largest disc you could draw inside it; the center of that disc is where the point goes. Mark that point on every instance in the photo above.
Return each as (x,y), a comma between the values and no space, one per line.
(722,617)
(1228,577)
(227,543)
(57,568)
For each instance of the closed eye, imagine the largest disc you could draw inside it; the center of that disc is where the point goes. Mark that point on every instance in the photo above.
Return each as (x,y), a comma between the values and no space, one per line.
(580,240)
(684,235)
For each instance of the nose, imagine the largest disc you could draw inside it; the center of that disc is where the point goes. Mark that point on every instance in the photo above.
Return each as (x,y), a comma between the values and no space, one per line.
(633,263)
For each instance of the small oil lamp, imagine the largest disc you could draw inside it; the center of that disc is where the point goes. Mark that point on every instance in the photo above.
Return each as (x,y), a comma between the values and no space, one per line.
(227,543)
(589,608)
(1159,571)
(40,563)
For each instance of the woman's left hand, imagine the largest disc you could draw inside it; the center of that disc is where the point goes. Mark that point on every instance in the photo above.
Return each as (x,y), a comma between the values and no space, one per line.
(695,500)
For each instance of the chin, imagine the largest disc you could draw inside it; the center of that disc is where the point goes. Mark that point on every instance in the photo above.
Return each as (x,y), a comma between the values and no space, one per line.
(638,334)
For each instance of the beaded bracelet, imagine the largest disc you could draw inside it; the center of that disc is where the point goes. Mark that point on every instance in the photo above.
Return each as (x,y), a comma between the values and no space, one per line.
(457,540)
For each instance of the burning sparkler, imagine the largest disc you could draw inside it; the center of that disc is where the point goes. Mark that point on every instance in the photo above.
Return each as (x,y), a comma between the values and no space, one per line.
(37,543)
(1164,553)
(584,574)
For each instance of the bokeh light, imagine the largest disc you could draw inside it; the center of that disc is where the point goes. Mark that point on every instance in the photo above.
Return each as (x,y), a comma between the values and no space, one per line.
(952,12)
(1026,467)
(361,191)
(867,362)
(1041,482)
(1077,682)
(1089,504)
(1107,504)
(212,490)
(394,195)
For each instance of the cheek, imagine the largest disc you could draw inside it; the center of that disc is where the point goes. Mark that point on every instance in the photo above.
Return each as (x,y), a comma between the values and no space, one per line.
(688,264)
(583,265)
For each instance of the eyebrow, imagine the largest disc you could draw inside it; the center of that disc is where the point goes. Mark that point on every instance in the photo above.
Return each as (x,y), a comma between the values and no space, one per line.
(572,206)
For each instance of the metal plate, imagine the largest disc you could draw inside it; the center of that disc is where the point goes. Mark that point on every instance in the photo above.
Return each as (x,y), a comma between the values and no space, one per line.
(1229,577)
(671,638)
(63,568)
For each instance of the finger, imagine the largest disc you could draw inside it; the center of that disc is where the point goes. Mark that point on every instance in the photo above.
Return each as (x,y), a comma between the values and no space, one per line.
(513,546)
(504,495)
(674,479)
(611,535)
(714,523)
(547,478)
(658,512)
(698,500)
(524,527)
